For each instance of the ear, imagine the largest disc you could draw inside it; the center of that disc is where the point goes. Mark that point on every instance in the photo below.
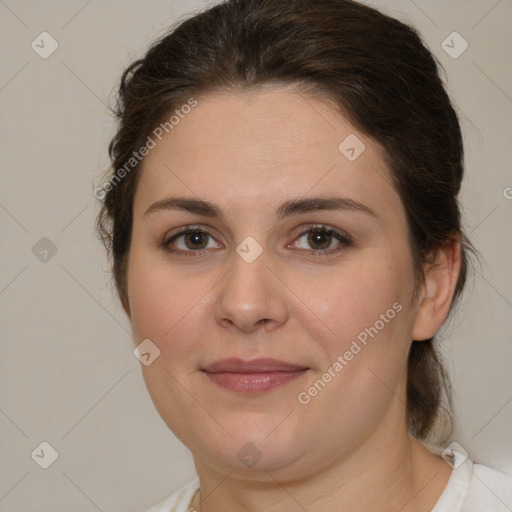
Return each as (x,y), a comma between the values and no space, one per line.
(437,290)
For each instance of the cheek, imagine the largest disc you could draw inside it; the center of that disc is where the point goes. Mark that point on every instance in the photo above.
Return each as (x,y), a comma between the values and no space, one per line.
(363,351)
(153,300)
(362,335)
(168,307)
(353,301)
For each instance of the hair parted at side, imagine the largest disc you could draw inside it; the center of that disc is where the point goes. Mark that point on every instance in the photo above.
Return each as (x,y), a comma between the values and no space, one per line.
(373,67)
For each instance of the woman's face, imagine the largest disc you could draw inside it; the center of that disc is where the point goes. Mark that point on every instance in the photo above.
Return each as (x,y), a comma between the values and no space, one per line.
(257,279)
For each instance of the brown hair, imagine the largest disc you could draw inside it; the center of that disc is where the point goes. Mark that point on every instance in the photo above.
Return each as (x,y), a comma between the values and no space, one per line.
(374,67)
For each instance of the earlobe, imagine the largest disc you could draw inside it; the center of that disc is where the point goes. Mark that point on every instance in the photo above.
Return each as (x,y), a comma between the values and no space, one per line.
(437,291)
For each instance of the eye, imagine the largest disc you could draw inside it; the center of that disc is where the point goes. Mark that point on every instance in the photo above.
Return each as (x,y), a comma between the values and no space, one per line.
(319,240)
(191,240)
(322,240)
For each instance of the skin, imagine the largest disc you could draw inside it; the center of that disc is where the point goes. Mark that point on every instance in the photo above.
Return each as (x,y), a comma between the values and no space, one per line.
(348,448)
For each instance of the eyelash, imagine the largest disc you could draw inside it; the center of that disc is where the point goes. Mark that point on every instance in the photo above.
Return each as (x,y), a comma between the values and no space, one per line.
(344,240)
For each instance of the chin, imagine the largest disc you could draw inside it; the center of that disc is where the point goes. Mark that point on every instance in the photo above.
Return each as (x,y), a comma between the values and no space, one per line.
(259,455)
(253,443)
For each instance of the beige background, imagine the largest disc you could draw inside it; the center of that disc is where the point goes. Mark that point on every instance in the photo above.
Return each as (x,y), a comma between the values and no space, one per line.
(68,374)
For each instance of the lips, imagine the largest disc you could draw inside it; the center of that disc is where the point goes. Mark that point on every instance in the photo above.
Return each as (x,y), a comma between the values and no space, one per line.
(256,376)
(255,366)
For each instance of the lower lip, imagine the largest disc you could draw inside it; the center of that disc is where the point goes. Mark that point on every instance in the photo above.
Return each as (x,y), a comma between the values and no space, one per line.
(253,382)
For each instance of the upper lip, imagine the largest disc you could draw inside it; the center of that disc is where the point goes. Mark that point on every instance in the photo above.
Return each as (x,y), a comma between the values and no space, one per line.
(262,365)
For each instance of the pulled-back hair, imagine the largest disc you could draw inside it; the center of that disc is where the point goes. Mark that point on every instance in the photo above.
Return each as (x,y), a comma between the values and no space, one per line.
(373,67)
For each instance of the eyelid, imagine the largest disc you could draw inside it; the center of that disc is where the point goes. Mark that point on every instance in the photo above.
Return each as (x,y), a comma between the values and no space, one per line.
(324,227)
(183,231)
(342,237)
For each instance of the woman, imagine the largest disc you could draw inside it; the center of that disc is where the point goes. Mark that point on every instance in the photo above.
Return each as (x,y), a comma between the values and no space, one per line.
(283,219)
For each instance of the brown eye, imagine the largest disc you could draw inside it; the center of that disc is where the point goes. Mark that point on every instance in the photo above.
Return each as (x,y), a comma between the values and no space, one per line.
(195,240)
(320,240)
(189,241)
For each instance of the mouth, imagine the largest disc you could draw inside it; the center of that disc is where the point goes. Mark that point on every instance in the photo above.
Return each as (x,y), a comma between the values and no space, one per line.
(251,377)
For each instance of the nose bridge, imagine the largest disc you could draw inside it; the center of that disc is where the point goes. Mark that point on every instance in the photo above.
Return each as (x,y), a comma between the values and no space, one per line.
(250,294)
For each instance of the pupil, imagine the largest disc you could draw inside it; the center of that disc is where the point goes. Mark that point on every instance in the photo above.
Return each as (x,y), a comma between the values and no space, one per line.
(319,237)
(195,239)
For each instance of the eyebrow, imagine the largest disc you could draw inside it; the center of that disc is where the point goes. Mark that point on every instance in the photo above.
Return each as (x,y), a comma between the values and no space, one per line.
(286,209)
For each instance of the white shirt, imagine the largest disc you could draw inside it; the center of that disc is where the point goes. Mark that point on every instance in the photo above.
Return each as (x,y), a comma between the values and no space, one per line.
(471,488)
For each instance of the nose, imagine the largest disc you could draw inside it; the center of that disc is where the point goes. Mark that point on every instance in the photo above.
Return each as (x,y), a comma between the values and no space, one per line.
(251,297)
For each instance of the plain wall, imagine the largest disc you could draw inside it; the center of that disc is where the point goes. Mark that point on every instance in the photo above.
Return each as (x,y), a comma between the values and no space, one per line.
(68,373)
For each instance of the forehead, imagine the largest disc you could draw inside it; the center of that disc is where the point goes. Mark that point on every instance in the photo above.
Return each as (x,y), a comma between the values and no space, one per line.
(265,145)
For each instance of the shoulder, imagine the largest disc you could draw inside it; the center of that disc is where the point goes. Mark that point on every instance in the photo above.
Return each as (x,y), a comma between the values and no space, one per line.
(475,485)
(490,488)
(179,501)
